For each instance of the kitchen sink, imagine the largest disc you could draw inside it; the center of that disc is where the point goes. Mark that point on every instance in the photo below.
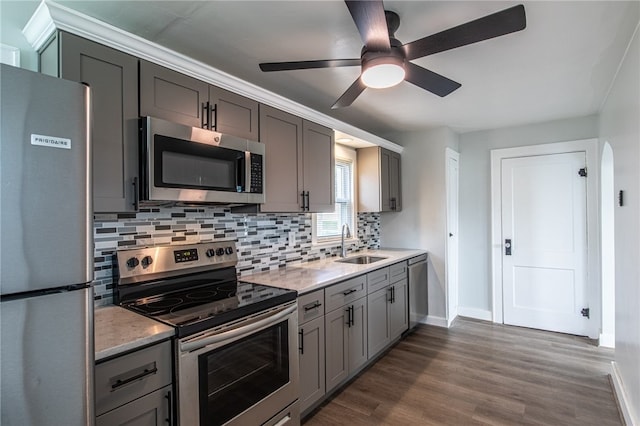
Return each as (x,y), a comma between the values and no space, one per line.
(361,260)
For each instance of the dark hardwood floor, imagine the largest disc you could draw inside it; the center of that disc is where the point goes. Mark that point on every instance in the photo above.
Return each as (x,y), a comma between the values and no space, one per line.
(479,373)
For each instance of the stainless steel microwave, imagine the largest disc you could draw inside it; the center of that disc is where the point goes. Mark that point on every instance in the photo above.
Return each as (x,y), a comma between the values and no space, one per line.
(185,164)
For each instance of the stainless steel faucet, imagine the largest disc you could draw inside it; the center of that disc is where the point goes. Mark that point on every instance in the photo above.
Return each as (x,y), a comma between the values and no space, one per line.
(343,250)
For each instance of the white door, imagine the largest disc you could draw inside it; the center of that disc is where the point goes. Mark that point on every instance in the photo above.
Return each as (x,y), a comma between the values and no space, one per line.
(544,242)
(452,234)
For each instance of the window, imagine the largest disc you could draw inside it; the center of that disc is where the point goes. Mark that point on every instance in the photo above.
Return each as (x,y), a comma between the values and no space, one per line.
(328,226)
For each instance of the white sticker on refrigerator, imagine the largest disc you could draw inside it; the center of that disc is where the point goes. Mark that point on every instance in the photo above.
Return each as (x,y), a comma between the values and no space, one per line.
(50,141)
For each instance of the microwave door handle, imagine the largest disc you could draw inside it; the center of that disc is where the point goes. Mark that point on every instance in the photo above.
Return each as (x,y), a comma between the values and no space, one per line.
(242,182)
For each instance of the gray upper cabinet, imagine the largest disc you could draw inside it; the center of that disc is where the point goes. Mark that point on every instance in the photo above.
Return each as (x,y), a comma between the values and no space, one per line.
(379,184)
(281,134)
(175,97)
(299,168)
(234,114)
(113,78)
(172,96)
(318,167)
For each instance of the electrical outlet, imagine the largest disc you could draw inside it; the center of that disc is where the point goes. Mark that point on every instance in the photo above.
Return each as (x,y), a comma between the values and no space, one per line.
(292,239)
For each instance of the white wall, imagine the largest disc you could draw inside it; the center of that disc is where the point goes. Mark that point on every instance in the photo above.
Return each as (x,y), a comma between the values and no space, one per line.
(422,221)
(620,126)
(475,196)
(13,16)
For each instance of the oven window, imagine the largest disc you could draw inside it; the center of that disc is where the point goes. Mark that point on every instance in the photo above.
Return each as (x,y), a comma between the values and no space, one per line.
(240,374)
(193,165)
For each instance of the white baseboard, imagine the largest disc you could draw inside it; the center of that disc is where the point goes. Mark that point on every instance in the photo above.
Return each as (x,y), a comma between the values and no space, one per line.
(476,313)
(607,340)
(621,396)
(437,321)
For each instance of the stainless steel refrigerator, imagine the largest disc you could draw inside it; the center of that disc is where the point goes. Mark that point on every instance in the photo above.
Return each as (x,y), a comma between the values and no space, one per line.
(46,251)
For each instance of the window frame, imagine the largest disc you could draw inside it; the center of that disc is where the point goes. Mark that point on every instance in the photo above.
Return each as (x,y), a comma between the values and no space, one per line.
(342,153)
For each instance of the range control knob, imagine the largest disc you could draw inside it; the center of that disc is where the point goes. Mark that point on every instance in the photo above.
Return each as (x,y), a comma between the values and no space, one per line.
(210,252)
(228,250)
(146,261)
(132,262)
(220,251)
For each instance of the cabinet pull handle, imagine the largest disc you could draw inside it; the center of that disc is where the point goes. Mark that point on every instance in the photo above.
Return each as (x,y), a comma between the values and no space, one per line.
(352,316)
(145,373)
(310,307)
(214,123)
(301,346)
(136,194)
(169,418)
(307,201)
(393,203)
(205,113)
(390,295)
(348,292)
(348,317)
(393,294)
(303,205)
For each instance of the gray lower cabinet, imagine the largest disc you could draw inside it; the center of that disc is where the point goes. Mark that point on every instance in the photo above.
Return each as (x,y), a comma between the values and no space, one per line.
(300,164)
(311,347)
(136,388)
(346,342)
(149,410)
(387,308)
(113,78)
(172,96)
(379,183)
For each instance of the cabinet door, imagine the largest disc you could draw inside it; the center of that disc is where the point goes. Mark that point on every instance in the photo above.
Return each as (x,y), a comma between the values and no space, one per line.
(311,344)
(358,336)
(172,96)
(398,310)
(319,167)
(337,347)
(378,324)
(385,189)
(281,134)
(395,193)
(153,409)
(234,114)
(113,78)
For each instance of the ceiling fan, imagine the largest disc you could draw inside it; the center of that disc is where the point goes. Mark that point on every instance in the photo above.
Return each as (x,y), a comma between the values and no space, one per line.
(385,61)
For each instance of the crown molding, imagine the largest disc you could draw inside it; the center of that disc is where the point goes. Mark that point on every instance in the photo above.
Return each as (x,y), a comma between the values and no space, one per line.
(51,16)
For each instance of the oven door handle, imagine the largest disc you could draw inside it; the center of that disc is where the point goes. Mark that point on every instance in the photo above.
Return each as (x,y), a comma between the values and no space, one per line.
(271,318)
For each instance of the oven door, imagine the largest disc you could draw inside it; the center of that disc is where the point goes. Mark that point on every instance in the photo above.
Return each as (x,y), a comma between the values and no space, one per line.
(242,373)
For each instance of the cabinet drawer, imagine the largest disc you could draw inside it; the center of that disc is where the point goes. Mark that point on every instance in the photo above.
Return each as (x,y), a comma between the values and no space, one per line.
(131,376)
(153,409)
(310,306)
(398,272)
(345,292)
(377,280)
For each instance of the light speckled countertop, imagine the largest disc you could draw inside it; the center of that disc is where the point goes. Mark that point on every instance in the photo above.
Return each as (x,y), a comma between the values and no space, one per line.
(310,276)
(119,330)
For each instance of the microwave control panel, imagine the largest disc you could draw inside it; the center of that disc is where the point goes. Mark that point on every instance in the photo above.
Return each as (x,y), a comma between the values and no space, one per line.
(256,174)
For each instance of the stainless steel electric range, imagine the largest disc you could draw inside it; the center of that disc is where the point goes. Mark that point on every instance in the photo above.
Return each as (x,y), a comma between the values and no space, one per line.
(236,350)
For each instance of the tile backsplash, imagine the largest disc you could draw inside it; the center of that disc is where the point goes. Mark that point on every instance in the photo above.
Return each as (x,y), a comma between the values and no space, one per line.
(262,240)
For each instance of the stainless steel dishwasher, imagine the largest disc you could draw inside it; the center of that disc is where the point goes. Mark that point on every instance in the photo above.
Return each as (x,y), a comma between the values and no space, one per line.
(418,296)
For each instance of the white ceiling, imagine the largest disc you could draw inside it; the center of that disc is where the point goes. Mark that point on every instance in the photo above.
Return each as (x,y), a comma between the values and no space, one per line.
(560,66)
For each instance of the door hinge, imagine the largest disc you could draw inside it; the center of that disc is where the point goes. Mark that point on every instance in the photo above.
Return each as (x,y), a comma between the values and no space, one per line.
(582,172)
(585,312)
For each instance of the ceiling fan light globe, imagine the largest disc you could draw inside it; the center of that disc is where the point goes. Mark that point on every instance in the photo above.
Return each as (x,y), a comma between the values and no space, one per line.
(381,76)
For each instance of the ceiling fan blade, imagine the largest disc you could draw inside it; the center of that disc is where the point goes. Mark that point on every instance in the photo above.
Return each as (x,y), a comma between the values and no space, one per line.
(350,95)
(371,22)
(500,23)
(304,65)
(429,80)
